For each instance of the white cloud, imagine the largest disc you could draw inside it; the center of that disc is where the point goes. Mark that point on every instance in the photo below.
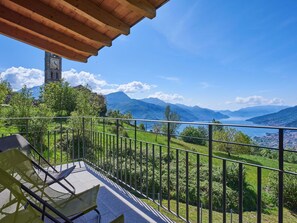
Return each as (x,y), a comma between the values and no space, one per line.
(134,87)
(256,100)
(173,98)
(20,76)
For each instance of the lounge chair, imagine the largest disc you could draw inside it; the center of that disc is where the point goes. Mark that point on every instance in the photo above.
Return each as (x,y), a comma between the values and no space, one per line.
(19,142)
(14,207)
(51,203)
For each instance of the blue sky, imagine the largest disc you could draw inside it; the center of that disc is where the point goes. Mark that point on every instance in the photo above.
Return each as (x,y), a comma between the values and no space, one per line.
(216,54)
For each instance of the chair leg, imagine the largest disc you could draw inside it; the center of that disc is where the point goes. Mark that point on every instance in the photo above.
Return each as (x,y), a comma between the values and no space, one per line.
(99,215)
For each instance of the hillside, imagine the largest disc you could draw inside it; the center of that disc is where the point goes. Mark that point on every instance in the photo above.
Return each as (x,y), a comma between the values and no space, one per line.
(153,108)
(254,111)
(286,117)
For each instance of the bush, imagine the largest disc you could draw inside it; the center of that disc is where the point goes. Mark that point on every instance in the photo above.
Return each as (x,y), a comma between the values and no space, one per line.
(290,190)
(194,135)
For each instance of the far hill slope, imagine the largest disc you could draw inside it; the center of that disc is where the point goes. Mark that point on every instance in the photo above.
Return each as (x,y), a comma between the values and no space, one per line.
(153,108)
(254,111)
(286,117)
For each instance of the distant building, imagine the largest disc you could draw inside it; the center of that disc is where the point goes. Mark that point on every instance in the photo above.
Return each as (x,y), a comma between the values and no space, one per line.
(53,68)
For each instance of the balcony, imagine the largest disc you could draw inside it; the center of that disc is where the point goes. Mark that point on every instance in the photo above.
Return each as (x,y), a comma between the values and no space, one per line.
(152,176)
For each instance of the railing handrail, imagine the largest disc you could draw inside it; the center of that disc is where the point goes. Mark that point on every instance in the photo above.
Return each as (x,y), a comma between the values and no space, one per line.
(207,123)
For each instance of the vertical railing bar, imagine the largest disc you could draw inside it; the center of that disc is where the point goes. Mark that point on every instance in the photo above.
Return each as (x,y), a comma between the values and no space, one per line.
(125,153)
(121,162)
(187,186)
(78,144)
(140,176)
(177,181)
(135,165)
(67,148)
(55,148)
(61,149)
(146,171)
(130,160)
(83,132)
(113,151)
(168,163)
(48,146)
(240,200)
(73,146)
(160,175)
(210,128)
(198,186)
(259,195)
(153,189)
(224,190)
(280,175)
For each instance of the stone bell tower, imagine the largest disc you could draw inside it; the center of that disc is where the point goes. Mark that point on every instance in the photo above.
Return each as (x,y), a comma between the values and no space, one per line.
(53,68)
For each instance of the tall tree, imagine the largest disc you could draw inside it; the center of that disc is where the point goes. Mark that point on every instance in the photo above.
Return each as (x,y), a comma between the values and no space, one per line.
(170,116)
(59,97)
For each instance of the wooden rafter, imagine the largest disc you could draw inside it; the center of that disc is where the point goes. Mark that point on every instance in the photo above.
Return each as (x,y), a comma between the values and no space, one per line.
(32,26)
(96,14)
(62,20)
(74,29)
(10,29)
(143,7)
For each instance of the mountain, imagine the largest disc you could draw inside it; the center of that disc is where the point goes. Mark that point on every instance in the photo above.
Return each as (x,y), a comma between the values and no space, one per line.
(286,117)
(153,108)
(35,91)
(254,111)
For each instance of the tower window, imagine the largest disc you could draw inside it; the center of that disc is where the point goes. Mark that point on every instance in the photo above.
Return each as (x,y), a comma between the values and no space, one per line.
(57,76)
(52,75)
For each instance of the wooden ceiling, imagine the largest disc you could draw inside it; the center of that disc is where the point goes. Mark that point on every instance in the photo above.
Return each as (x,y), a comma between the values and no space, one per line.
(74,29)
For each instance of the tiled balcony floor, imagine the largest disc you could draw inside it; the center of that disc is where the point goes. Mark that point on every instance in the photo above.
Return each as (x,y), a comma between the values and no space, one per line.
(113,200)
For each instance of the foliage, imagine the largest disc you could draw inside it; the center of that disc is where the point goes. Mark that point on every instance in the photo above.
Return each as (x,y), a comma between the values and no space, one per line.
(88,103)
(5,89)
(289,191)
(229,138)
(59,97)
(157,130)
(141,127)
(194,135)
(217,127)
(170,116)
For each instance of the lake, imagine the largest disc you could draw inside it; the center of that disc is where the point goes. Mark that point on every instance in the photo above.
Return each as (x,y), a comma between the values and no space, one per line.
(252,132)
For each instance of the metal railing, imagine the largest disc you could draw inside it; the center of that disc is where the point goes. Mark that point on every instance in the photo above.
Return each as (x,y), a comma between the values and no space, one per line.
(162,168)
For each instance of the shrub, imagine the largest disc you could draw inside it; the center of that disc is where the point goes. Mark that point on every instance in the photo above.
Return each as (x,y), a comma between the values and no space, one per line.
(194,135)
(289,191)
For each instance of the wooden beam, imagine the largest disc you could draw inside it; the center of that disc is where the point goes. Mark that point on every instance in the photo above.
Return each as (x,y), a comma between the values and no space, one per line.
(142,7)
(64,21)
(9,29)
(96,14)
(39,28)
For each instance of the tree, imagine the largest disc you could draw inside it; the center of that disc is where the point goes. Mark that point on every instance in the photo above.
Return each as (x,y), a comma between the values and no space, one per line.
(5,89)
(194,135)
(59,97)
(22,103)
(157,129)
(217,127)
(141,127)
(170,116)
(229,136)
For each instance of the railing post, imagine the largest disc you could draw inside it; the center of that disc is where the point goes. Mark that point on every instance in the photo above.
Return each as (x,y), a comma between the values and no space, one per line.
(280,175)
(83,131)
(27,128)
(210,128)
(117,138)
(168,163)
(135,132)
